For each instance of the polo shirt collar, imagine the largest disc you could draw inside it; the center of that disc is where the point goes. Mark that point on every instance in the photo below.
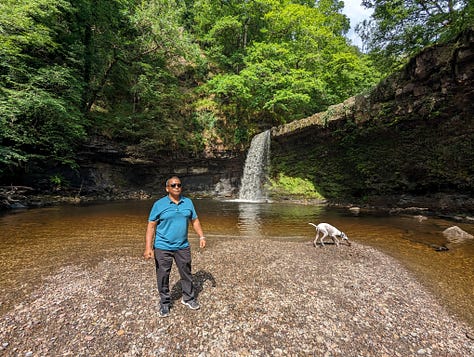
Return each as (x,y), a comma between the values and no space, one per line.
(171,201)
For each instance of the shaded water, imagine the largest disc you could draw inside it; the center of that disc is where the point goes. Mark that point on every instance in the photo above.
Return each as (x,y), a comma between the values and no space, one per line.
(36,243)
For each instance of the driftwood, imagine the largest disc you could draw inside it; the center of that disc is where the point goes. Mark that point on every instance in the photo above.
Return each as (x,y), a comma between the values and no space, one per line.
(15,189)
(11,195)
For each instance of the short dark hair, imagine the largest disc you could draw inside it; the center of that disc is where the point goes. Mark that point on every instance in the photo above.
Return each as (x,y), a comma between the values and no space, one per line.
(171,178)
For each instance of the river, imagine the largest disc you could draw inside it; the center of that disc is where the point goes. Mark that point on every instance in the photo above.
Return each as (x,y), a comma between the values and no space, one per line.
(37,242)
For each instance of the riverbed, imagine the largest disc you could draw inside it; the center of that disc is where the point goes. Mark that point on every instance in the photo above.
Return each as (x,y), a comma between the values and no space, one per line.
(36,243)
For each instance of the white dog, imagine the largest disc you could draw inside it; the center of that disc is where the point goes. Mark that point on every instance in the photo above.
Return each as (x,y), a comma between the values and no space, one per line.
(327,230)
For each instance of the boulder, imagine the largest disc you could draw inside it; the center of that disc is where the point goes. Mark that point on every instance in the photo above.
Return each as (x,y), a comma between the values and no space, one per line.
(455,234)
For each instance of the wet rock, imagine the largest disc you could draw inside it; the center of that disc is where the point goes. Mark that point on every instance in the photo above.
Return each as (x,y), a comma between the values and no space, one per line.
(354,210)
(224,188)
(439,248)
(455,234)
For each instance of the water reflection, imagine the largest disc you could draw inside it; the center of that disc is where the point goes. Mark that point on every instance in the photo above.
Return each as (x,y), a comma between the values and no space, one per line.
(36,243)
(249,221)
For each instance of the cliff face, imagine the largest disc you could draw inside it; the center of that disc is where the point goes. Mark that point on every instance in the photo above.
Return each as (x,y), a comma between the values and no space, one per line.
(409,141)
(105,169)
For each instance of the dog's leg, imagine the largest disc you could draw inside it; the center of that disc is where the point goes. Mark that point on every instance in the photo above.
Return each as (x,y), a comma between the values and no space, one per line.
(335,240)
(315,242)
(325,234)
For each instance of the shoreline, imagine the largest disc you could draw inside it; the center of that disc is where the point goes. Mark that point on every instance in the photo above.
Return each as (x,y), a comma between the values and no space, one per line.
(388,208)
(440,207)
(257,298)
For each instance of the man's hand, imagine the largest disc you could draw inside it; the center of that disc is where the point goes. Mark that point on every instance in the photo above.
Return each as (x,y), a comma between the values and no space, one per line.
(202,242)
(148,253)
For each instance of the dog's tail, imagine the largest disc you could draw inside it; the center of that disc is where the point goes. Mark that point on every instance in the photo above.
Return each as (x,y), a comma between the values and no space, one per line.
(314,225)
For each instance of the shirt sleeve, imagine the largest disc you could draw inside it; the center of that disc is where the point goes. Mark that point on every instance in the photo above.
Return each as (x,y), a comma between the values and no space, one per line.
(154,213)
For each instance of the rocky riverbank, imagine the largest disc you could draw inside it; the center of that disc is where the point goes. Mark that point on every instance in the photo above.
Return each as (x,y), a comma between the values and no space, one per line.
(258,298)
(454,207)
(23,197)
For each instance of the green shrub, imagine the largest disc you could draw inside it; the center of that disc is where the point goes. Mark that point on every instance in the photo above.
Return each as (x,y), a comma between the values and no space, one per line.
(293,186)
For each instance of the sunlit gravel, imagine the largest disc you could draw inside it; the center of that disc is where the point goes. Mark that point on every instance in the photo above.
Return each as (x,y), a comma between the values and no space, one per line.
(258,298)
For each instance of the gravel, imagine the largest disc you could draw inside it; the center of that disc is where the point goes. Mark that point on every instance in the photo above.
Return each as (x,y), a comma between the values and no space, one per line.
(258,298)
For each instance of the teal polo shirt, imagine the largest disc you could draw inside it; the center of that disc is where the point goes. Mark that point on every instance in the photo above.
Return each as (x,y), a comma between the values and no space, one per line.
(172,222)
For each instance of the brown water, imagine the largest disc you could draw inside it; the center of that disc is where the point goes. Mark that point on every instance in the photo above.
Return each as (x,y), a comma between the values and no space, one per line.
(37,243)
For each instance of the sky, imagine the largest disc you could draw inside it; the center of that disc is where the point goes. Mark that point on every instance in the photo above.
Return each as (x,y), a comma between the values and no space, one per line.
(356,13)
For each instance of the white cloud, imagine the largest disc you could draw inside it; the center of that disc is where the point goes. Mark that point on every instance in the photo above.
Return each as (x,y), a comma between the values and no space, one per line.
(356,13)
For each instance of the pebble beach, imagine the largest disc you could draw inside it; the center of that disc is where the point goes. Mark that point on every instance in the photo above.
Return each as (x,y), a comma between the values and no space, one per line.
(258,298)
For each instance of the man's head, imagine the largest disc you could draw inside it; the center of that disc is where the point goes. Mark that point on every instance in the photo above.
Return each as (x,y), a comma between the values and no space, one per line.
(173,186)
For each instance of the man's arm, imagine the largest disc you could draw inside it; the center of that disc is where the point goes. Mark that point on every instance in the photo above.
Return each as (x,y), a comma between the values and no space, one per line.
(150,234)
(198,229)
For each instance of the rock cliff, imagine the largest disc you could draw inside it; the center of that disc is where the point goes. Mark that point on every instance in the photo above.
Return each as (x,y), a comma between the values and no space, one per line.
(407,142)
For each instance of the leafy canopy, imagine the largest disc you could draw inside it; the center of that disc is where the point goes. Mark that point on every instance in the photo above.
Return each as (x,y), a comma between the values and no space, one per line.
(39,91)
(399,29)
(300,64)
(166,76)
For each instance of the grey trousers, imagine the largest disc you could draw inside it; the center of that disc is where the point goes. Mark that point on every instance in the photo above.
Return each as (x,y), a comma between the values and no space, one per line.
(163,263)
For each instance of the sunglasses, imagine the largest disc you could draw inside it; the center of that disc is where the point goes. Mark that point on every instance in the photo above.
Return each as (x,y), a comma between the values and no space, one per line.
(175,185)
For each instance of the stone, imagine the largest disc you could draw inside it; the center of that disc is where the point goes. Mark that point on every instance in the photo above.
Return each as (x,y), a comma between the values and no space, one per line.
(455,234)
(354,210)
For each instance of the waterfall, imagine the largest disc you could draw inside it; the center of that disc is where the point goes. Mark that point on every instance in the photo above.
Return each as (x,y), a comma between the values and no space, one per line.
(255,169)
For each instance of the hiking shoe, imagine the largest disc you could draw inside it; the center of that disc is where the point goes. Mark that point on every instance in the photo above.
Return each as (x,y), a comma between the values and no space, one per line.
(192,304)
(164,311)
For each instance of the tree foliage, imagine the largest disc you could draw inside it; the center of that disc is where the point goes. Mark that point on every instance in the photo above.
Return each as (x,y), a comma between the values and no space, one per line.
(300,64)
(39,93)
(167,76)
(70,69)
(399,29)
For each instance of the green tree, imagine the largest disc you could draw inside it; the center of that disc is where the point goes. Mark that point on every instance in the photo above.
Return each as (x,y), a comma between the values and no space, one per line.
(399,29)
(107,49)
(226,28)
(111,67)
(129,70)
(301,66)
(162,64)
(39,92)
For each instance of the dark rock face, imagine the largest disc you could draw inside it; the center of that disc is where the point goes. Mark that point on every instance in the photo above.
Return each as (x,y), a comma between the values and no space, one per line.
(409,141)
(106,171)
(117,172)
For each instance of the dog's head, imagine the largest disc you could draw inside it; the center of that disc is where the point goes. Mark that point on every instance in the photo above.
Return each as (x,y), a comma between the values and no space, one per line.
(346,238)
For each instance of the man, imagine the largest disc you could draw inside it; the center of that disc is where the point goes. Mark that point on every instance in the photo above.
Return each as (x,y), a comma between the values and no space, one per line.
(167,239)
